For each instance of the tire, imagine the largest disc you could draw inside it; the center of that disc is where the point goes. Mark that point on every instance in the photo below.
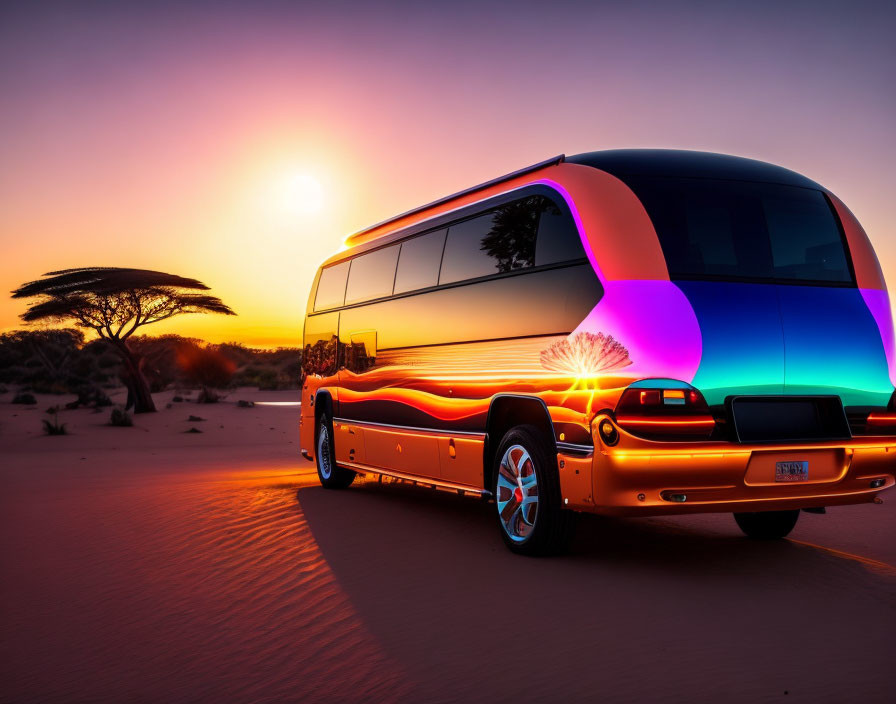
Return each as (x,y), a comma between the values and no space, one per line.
(330,474)
(526,487)
(767,525)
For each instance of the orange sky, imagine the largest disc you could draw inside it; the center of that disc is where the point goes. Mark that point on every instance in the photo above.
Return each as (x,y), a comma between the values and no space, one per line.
(167,138)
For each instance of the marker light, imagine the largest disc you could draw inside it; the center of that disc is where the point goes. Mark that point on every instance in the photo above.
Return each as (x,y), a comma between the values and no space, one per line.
(673,397)
(651,397)
(608,432)
(881,419)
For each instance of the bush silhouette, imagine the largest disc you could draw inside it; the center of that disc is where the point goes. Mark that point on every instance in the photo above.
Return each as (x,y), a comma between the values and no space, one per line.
(120,418)
(54,427)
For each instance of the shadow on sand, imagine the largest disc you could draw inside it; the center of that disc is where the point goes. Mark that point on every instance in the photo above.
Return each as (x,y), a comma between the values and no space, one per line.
(647,608)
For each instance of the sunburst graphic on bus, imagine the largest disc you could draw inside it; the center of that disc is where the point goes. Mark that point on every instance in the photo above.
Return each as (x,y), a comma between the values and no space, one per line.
(586,357)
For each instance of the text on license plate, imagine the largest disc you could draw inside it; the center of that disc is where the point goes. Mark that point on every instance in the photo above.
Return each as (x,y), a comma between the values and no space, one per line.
(794,471)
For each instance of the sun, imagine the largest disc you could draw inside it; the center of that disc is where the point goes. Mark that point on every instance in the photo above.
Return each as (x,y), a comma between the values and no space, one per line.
(295,193)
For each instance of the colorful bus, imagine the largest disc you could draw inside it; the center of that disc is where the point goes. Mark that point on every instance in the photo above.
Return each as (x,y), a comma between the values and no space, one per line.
(627,332)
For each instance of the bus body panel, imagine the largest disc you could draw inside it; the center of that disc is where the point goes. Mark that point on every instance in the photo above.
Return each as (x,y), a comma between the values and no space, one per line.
(412,377)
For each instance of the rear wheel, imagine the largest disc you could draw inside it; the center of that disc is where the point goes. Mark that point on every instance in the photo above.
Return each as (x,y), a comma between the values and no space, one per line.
(527,495)
(331,476)
(767,525)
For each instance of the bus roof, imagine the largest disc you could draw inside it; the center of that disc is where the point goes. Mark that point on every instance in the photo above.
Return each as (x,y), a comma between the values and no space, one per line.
(620,163)
(353,239)
(688,164)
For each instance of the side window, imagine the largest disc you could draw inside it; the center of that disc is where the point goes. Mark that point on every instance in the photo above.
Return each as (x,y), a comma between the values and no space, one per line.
(321,344)
(372,275)
(418,263)
(501,240)
(558,237)
(331,287)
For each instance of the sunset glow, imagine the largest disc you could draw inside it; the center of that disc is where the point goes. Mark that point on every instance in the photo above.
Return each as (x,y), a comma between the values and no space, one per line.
(242,146)
(295,194)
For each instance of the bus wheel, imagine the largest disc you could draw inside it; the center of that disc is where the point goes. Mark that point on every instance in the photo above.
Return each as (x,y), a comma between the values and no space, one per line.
(767,525)
(331,476)
(527,495)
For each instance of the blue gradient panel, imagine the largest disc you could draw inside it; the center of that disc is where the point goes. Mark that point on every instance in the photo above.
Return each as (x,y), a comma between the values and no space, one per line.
(743,345)
(768,339)
(833,345)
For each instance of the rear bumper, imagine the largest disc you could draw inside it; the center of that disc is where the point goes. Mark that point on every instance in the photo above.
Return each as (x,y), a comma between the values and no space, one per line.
(640,477)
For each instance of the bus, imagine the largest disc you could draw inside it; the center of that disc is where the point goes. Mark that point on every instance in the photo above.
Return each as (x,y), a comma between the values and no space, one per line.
(623,332)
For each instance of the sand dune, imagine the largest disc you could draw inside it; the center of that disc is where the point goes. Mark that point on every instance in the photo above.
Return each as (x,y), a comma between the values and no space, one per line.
(177,567)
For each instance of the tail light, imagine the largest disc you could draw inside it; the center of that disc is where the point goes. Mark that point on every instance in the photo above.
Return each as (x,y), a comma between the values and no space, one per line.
(665,413)
(882,422)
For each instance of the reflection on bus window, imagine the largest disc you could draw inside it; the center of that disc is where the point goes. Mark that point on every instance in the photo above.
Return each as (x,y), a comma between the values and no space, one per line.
(371,275)
(418,263)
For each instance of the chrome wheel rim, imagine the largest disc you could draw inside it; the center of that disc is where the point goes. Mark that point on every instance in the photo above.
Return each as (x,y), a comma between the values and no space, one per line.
(517,493)
(323,452)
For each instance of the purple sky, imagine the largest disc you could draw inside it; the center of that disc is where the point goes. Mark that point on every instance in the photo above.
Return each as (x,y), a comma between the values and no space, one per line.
(143,136)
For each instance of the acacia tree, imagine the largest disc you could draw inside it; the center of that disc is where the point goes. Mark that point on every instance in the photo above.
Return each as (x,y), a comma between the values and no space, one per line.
(114,302)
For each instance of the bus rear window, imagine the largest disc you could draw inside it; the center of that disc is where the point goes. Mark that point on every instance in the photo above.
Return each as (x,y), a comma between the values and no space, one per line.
(735,230)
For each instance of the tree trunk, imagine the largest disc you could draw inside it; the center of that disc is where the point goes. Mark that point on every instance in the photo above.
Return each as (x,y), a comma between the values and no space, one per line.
(138,388)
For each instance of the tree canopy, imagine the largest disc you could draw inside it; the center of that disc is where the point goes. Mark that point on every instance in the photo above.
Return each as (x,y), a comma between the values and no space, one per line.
(115,301)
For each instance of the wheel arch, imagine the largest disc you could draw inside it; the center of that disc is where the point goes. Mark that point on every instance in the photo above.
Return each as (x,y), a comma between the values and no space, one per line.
(505,412)
(323,403)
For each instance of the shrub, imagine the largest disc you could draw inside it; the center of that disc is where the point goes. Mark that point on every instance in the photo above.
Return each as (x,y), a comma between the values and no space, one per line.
(208,396)
(90,397)
(24,399)
(120,418)
(206,366)
(54,427)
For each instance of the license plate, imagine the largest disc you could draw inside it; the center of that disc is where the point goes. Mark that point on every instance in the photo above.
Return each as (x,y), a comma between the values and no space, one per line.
(797,471)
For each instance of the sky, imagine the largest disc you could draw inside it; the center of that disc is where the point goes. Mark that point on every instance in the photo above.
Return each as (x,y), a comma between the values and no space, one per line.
(240,143)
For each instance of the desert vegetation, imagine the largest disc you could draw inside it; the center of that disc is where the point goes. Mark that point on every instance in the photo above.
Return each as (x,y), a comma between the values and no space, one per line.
(63,362)
(114,303)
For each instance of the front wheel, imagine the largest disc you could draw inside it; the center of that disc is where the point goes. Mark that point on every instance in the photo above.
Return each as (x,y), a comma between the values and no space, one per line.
(330,474)
(767,525)
(530,516)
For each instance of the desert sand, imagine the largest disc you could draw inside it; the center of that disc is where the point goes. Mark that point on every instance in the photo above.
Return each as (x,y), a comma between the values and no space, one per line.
(151,564)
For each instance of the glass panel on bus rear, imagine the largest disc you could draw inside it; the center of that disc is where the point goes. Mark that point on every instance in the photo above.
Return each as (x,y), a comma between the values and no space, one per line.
(331,287)
(738,230)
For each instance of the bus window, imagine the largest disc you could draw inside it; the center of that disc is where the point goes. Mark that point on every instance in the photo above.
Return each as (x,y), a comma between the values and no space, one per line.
(331,287)
(319,356)
(502,240)
(372,275)
(418,263)
(736,230)
(558,237)
(806,242)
